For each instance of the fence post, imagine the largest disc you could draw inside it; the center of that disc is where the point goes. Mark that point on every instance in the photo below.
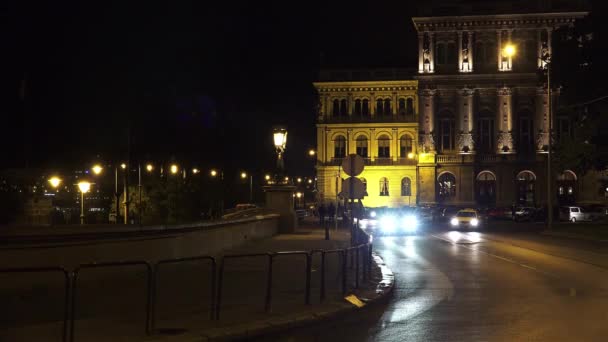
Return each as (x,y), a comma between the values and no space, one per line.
(357,267)
(267,306)
(308,272)
(322,290)
(344,256)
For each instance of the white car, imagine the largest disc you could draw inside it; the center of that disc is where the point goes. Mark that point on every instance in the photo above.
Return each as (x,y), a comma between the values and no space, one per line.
(466,218)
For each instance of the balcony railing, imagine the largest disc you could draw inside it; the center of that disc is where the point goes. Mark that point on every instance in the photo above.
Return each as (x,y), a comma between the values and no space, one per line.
(376,162)
(448,159)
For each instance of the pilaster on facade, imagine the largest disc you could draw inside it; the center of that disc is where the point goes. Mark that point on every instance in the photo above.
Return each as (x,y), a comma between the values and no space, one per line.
(503,37)
(426,47)
(542,119)
(465,141)
(373,144)
(465,57)
(505,121)
(428,119)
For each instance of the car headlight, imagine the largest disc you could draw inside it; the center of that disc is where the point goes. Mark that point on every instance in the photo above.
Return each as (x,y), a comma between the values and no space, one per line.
(410,223)
(363,224)
(388,223)
(454,221)
(372,214)
(474,222)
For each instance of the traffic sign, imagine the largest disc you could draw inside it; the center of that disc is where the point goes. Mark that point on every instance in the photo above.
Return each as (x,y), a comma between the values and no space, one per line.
(353,188)
(353,165)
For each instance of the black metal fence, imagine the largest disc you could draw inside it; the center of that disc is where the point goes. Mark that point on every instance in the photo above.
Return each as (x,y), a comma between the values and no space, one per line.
(359,266)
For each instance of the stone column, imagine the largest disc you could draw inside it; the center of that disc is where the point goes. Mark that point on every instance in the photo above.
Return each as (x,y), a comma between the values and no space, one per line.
(428,120)
(499,47)
(420,52)
(349,104)
(504,116)
(394,104)
(466,143)
(541,122)
(372,105)
(460,56)
(510,58)
(395,148)
(431,52)
(539,48)
(350,140)
(471,51)
(373,149)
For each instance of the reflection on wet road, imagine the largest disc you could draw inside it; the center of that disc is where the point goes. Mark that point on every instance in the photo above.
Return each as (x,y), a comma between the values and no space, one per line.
(462,286)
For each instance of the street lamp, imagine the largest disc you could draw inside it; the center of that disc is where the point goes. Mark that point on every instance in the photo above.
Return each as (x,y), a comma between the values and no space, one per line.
(312,152)
(123,166)
(213,173)
(174,169)
(280,142)
(507,53)
(299,180)
(149,167)
(243,176)
(97,169)
(55,181)
(84,187)
(195,171)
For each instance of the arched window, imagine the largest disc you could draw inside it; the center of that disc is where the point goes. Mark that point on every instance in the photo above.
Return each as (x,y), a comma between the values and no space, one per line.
(451,57)
(485,132)
(409,106)
(401,107)
(486,188)
(525,187)
(526,132)
(441,54)
(387,107)
(447,131)
(340,147)
(383,186)
(365,109)
(384,146)
(565,187)
(336,108)
(343,107)
(406,187)
(379,107)
(362,146)
(405,146)
(447,186)
(358,107)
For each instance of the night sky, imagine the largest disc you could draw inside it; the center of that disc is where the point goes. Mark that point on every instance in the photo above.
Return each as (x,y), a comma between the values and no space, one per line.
(200,81)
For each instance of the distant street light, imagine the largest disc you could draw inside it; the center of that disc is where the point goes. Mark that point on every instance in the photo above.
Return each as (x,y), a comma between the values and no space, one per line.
(267,177)
(510,50)
(84,187)
(410,155)
(149,167)
(97,169)
(195,171)
(123,166)
(213,173)
(280,142)
(310,181)
(299,180)
(174,168)
(55,181)
(243,175)
(311,152)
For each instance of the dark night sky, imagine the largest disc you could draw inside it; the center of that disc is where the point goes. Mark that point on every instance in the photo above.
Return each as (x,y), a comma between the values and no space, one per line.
(181,74)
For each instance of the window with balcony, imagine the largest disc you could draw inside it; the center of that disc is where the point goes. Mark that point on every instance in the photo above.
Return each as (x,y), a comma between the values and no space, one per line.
(447,134)
(340,147)
(406,187)
(384,146)
(405,146)
(362,146)
(384,186)
(485,135)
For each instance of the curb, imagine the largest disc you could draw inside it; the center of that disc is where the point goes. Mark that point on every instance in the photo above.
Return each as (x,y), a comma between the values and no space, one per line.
(572,236)
(382,285)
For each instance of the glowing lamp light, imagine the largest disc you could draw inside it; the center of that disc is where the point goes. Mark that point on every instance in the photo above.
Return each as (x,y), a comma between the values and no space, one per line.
(298,194)
(174,169)
(213,173)
(312,152)
(299,180)
(195,171)
(509,50)
(84,186)
(310,181)
(243,175)
(149,167)
(55,181)
(410,155)
(97,169)
(280,138)
(286,179)
(123,166)
(267,177)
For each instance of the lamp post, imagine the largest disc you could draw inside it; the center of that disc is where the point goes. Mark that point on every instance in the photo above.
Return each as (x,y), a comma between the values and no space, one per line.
(219,174)
(244,176)
(125,178)
(84,187)
(280,141)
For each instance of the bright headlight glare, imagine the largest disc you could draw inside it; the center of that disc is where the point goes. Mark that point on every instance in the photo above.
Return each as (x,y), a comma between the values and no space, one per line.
(410,221)
(388,223)
(454,221)
(372,214)
(474,222)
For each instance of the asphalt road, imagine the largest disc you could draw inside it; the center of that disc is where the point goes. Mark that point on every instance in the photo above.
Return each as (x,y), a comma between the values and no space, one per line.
(459,286)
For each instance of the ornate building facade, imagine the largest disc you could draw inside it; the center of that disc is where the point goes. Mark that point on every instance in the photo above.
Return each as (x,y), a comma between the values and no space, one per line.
(473,120)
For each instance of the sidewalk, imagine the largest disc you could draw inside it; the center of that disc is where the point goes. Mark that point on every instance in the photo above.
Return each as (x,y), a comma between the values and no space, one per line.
(183,296)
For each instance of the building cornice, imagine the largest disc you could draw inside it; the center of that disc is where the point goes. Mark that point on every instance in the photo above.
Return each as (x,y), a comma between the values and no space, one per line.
(492,22)
(366,86)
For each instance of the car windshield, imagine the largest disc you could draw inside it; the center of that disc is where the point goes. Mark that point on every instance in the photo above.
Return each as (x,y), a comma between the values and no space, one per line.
(466,214)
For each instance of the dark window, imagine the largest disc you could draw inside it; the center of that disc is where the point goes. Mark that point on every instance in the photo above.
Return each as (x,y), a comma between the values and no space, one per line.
(402,106)
(409,106)
(406,187)
(441,54)
(384,147)
(525,187)
(447,186)
(340,147)
(485,135)
(447,134)
(452,57)
(383,186)
(526,134)
(563,128)
(405,146)
(343,108)
(365,109)
(379,107)
(336,108)
(362,146)
(486,188)
(358,107)
(387,107)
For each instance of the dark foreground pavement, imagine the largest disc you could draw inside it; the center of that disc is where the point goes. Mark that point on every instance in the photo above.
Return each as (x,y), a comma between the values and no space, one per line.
(462,286)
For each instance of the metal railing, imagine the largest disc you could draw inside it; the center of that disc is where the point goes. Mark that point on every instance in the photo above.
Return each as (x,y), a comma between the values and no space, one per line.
(360,255)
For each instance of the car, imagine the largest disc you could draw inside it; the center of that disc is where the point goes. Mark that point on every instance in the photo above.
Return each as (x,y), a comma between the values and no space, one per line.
(466,218)
(525,214)
(575,214)
(502,213)
(389,221)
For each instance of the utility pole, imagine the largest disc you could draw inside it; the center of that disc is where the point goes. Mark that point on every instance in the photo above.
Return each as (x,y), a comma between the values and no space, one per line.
(549,177)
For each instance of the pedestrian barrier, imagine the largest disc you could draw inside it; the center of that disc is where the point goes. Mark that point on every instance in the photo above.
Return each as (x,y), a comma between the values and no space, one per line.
(359,254)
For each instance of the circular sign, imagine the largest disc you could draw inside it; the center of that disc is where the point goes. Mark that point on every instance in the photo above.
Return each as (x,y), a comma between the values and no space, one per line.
(353,188)
(353,165)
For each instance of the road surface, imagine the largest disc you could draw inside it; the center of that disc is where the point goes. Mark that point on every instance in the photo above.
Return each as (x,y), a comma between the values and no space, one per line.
(462,286)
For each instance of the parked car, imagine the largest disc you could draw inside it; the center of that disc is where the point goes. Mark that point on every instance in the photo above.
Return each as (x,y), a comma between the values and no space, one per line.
(525,214)
(575,214)
(502,213)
